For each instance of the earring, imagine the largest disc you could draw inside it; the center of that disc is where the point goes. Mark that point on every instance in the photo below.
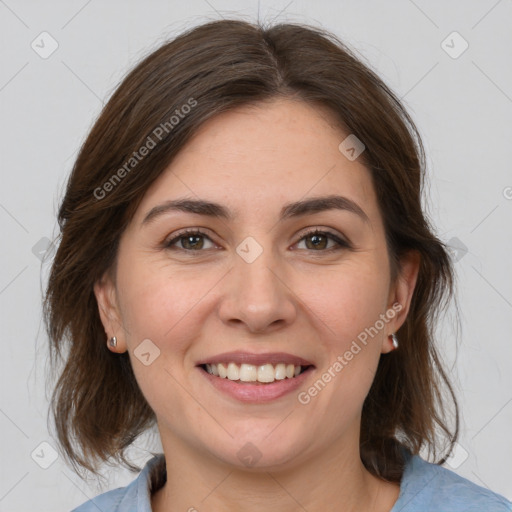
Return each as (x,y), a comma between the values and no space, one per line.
(395,341)
(112,341)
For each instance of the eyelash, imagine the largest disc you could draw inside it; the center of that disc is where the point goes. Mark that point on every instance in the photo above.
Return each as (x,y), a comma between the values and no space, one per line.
(342,244)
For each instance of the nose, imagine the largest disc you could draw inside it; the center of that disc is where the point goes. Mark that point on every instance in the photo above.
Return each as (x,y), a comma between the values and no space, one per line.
(258,296)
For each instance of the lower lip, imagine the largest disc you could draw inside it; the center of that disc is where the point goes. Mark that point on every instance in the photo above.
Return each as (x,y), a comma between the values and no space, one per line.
(256,393)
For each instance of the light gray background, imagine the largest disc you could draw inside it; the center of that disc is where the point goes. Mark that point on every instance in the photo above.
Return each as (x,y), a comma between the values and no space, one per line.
(463,107)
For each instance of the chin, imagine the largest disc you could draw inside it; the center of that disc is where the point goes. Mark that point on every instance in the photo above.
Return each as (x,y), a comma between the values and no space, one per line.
(246,452)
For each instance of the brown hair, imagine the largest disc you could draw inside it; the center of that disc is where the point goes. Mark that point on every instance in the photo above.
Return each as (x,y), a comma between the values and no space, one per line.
(97,405)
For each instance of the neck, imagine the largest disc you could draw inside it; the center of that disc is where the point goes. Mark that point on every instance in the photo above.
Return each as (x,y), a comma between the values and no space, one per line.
(335,481)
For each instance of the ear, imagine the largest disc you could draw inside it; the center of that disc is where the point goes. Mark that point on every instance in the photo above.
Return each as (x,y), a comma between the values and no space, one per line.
(401,293)
(106,297)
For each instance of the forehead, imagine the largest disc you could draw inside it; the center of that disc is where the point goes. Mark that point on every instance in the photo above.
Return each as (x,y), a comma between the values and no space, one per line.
(256,158)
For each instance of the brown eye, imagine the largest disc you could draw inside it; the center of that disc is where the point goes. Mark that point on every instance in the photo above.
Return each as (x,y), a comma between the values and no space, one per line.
(319,241)
(192,240)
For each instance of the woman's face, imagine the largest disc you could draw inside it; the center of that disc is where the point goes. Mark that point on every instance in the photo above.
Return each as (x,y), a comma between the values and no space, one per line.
(257,284)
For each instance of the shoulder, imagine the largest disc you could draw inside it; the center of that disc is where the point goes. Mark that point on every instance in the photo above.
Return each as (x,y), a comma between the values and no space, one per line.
(135,497)
(427,486)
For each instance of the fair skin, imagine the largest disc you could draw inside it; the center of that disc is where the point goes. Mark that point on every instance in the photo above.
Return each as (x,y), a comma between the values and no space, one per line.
(199,299)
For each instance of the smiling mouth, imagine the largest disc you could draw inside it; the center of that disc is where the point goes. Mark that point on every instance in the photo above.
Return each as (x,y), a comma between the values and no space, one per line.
(255,374)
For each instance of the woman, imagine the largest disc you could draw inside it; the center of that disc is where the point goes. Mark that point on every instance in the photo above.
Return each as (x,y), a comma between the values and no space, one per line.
(244,261)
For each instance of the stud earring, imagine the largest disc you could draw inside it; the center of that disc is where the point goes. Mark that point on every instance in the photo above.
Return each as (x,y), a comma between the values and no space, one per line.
(395,341)
(112,341)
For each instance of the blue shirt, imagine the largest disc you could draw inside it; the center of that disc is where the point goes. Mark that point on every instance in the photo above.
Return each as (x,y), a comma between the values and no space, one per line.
(425,487)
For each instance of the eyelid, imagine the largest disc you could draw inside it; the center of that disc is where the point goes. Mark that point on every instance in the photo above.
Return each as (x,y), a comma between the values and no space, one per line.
(341,241)
(175,237)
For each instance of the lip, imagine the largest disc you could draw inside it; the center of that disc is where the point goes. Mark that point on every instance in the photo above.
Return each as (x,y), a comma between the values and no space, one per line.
(250,392)
(240,357)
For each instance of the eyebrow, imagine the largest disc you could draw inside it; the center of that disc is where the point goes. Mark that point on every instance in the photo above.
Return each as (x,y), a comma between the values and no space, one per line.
(290,210)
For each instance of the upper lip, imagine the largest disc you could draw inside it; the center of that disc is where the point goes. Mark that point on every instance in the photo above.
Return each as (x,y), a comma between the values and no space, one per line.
(239,357)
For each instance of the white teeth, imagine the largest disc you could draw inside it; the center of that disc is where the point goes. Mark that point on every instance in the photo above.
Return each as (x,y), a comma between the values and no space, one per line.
(250,373)
(223,372)
(266,373)
(280,371)
(233,371)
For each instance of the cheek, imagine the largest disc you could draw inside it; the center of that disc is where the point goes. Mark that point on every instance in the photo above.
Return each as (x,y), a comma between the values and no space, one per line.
(348,301)
(156,300)
(162,307)
(349,304)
